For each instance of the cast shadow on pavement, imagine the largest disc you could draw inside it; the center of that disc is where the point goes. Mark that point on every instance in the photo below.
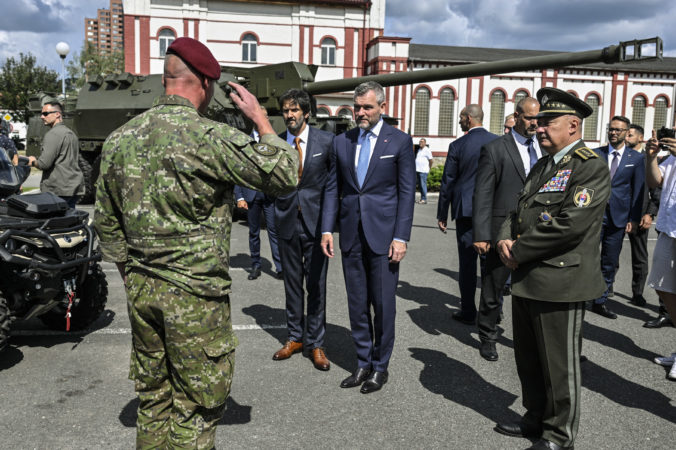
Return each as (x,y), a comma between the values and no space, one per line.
(624,308)
(434,314)
(235,414)
(455,275)
(627,393)
(10,357)
(441,375)
(613,339)
(337,341)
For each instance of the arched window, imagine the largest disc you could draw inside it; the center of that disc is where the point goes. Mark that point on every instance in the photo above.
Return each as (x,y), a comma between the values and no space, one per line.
(328,52)
(638,111)
(520,95)
(345,112)
(322,111)
(422,111)
(591,123)
(660,113)
(166,37)
(249,45)
(446,99)
(497,112)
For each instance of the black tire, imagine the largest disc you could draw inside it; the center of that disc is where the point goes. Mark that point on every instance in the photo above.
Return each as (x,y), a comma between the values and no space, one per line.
(89,180)
(4,323)
(90,301)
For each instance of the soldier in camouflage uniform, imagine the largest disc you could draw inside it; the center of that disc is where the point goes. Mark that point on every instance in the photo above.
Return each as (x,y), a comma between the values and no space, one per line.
(163,214)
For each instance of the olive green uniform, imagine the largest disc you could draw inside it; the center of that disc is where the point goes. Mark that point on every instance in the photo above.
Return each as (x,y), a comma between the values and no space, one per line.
(164,208)
(556,230)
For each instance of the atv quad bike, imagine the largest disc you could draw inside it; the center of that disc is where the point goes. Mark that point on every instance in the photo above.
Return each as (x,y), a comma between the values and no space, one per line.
(48,262)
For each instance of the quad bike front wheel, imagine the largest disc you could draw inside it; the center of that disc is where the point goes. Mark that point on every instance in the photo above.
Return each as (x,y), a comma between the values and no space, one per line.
(89,303)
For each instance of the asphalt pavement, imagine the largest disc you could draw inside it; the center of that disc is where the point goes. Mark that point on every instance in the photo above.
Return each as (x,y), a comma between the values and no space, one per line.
(70,390)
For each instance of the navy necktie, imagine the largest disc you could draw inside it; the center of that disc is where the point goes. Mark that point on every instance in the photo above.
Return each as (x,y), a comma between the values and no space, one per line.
(532,154)
(363,161)
(614,163)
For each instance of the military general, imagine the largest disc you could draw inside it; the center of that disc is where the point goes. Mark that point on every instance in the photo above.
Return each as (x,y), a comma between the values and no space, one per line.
(551,242)
(163,214)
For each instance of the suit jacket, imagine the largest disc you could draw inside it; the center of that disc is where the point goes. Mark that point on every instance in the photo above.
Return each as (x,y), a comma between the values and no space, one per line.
(627,186)
(457,182)
(318,161)
(556,228)
(499,180)
(384,204)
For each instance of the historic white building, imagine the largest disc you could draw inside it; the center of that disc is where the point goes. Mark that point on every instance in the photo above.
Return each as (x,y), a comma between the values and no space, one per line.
(345,39)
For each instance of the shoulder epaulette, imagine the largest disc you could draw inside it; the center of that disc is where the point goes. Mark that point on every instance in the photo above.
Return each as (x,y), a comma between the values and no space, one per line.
(586,153)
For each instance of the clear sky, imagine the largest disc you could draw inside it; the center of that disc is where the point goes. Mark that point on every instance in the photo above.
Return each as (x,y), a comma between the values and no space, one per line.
(36,26)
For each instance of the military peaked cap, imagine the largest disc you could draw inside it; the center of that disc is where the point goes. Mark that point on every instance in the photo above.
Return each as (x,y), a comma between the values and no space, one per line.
(197,56)
(555,102)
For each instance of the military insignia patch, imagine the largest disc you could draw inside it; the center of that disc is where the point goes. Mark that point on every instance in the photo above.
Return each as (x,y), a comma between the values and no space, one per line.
(583,196)
(558,182)
(566,159)
(545,217)
(265,150)
(586,153)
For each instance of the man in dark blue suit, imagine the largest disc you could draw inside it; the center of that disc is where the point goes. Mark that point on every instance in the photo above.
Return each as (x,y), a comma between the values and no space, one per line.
(297,216)
(373,187)
(255,203)
(623,212)
(457,188)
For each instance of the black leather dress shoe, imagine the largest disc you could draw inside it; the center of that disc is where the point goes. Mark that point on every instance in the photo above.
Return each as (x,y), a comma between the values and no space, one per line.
(462,319)
(357,378)
(638,300)
(659,322)
(374,382)
(517,429)
(280,275)
(544,444)
(488,351)
(602,310)
(255,273)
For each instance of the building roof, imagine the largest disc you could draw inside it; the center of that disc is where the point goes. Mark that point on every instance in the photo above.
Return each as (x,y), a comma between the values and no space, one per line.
(463,55)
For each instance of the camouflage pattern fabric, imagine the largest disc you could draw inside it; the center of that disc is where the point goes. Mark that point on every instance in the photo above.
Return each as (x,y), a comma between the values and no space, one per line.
(164,208)
(183,379)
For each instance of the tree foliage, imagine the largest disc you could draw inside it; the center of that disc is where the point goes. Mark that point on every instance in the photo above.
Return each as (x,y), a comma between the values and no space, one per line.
(91,63)
(18,78)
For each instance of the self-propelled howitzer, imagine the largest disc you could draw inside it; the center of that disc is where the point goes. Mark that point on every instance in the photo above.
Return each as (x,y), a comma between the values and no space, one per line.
(105,104)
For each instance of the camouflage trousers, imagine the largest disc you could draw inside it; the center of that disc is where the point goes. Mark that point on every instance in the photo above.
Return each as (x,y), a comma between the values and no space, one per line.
(182,362)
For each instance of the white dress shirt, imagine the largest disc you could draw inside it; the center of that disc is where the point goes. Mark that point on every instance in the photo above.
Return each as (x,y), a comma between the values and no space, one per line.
(375,131)
(291,140)
(523,149)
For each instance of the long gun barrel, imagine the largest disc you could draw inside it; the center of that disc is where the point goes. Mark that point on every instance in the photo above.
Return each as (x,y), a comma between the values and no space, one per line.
(637,50)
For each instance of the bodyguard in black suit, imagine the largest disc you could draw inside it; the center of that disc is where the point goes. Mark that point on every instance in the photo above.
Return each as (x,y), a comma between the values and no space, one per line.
(457,188)
(503,166)
(639,239)
(298,219)
(623,212)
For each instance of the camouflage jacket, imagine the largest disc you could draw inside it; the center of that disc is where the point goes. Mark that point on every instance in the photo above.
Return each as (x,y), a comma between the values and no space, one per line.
(165,194)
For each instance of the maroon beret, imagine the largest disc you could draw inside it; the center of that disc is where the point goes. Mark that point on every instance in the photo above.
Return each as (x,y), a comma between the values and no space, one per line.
(197,55)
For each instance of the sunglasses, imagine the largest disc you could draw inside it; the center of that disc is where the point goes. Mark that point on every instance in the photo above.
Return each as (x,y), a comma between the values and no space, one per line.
(46,113)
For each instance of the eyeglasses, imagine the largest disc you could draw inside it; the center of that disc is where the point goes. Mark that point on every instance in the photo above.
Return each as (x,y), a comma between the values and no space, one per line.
(617,130)
(46,113)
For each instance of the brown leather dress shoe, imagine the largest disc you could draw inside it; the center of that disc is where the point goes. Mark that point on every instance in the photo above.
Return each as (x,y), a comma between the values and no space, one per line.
(319,359)
(290,347)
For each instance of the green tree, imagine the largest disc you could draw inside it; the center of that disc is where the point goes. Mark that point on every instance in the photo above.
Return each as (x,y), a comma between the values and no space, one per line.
(91,62)
(18,78)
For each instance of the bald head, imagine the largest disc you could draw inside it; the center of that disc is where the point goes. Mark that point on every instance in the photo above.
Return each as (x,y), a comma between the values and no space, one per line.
(181,79)
(471,116)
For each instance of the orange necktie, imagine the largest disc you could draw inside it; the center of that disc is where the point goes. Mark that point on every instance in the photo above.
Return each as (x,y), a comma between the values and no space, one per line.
(300,157)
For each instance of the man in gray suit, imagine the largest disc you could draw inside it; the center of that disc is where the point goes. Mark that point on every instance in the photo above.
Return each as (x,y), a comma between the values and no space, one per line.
(503,166)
